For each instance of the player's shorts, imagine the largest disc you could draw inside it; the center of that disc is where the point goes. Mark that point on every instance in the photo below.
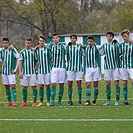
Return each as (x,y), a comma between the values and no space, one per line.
(125,72)
(92,74)
(44,78)
(71,75)
(9,79)
(28,80)
(58,75)
(112,74)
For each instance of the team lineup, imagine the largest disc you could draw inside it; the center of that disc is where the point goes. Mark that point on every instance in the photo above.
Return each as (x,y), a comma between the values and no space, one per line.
(56,63)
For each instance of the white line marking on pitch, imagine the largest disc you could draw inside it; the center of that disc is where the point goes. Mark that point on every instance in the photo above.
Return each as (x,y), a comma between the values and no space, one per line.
(80,120)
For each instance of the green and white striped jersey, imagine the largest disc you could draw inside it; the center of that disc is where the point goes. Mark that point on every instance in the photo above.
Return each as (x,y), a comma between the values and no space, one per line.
(58,55)
(111,52)
(74,57)
(28,58)
(43,58)
(91,57)
(126,52)
(9,60)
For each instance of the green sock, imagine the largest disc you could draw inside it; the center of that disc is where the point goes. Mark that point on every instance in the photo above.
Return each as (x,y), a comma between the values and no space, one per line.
(14,94)
(70,94)
(108,93)
(34,95)
(60,95)
(125,91)
(48,94)
(95,94)
(8,95)
(24,93)
(88,93)
(53,93)
(80,93)
(117,93)
(41,94)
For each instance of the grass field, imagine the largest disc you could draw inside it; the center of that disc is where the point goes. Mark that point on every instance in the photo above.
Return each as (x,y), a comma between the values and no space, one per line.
(64,119)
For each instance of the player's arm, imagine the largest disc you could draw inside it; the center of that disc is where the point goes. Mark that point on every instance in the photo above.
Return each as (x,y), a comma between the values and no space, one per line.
(34,49)
(14,71)
(100,49)
(11,47)
(20,65)
(20,69)
(16,55)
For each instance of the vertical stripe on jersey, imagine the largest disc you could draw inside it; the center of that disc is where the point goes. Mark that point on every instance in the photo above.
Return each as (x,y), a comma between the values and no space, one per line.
(74,57)
(91,57)
(58,55)
(126,50)
(111,56)
(43,56)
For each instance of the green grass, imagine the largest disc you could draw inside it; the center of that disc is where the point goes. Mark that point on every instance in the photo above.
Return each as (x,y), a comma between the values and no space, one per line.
(92,119)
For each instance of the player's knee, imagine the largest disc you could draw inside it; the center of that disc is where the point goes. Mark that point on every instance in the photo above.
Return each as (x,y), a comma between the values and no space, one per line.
(12,86)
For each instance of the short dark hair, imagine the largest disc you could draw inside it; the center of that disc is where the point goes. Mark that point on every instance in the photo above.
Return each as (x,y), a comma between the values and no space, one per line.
(5,39)
(91,37)
(28,39)
(43,37)
(110,33)
(55,34)
(73,35)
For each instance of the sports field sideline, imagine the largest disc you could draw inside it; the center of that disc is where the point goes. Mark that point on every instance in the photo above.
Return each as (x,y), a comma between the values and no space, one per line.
(64,119)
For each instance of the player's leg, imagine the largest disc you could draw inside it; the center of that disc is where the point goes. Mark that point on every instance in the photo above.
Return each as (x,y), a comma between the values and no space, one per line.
(88,93)
(96,78)
(124,76)
(48,93)
(12,80)
(54,81)
(33,83)
(96,90)
(108,92)
(5,81)
(70,76)
(47,82)
(78,78)
(116,77)
(24,82)
(117,92)
(108,78)
(88,80)
(79,82)
(62,80)
(41,88)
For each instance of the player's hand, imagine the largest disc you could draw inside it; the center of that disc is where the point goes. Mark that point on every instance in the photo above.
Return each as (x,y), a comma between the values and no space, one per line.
(11,47)
(21,75)
(115,41)
(69,43)
(94,44)
(12,72)
(33,49)
(36,72)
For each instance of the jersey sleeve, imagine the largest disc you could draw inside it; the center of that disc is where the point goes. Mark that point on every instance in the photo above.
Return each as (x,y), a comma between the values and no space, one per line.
(101,49)
(21,56)
(16,54)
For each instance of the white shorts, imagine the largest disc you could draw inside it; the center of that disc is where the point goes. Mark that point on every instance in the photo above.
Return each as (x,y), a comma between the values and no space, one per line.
(58,75)
(9,79)
(71,75)
(112,74)
(44,78)
(28,80)
(125,72)
(92,74)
